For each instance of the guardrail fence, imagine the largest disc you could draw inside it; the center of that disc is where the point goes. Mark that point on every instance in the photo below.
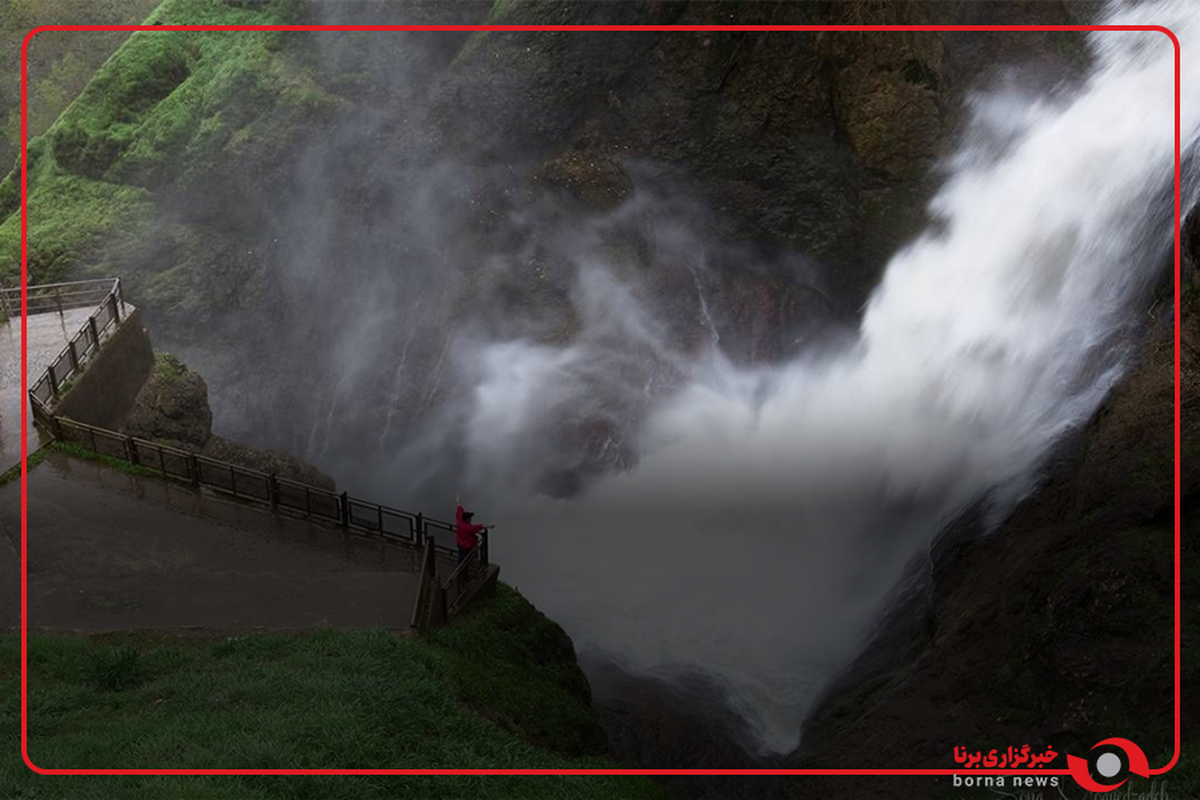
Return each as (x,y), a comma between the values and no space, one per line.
(243,483)
(84,345)
(57,297)
(436,602)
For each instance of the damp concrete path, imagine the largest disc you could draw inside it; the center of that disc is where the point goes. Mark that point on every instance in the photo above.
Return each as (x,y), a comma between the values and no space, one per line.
(47,335)
(110,551)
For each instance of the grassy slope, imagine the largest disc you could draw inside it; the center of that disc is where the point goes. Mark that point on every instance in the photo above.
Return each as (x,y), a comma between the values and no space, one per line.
(477,695)
(60,62)
(166,109)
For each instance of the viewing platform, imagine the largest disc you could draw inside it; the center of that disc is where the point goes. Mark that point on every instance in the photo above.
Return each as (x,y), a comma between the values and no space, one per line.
(48,330)
(160,537)
(113,551)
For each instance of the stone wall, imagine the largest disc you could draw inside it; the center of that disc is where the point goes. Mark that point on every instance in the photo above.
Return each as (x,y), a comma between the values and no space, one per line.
(104,393)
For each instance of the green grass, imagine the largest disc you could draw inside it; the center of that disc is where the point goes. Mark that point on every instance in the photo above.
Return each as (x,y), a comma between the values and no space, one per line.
(167,110)
(13,473)
(509,659)
(78,451)
(348,700)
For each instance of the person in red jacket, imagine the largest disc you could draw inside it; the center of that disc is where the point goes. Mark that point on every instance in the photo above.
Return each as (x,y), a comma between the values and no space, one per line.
(468,533)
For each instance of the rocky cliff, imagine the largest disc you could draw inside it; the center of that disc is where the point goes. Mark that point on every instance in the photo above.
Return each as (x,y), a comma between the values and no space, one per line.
(172,408)
(289,183)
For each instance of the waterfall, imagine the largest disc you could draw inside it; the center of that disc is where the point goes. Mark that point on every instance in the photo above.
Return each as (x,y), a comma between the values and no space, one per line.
(772,511)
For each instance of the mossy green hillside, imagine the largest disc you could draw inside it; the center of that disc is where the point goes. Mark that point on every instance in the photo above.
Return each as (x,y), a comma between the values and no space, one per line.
(166,112)
(326,699)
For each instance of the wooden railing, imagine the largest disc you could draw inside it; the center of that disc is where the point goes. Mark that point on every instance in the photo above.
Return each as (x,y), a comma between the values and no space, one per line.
(436,602)
(83,346)
(455,590)
(243,483)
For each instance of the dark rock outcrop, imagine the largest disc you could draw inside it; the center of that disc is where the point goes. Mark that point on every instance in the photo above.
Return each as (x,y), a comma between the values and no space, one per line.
(172,405)
(172,408)
(1057,626)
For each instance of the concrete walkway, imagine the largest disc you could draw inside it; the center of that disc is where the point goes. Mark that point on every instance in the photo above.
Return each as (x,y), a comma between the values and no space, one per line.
(48,334)
(109,551)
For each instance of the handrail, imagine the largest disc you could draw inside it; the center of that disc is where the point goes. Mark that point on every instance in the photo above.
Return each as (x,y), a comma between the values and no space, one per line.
(244,483)
(461,581)
(428,608)
(85,282)
(56,296)
(463,568)
(80,349)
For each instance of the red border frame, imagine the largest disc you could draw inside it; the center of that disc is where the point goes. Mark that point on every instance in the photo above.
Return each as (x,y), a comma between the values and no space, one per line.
(565,28)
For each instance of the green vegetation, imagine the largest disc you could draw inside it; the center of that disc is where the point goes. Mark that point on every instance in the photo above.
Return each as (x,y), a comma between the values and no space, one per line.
(351,700)
(60,62)
(13,473)
(168,367)
(511,661)
(168,109)
(78,451)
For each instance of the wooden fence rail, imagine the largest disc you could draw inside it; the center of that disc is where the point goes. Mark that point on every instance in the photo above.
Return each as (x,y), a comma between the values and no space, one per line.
(436,602)
(243,483)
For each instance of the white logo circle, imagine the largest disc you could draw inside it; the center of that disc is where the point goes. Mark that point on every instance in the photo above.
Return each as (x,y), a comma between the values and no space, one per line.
(1108,764)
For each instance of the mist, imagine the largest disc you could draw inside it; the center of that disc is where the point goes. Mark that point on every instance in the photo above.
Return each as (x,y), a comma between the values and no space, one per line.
(683,492)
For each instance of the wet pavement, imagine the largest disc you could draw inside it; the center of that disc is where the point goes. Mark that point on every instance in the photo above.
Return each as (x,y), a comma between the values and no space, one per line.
(110,551)
(47,335)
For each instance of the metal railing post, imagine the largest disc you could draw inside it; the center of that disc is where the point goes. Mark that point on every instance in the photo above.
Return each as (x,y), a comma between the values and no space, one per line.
(58,301)
(194,468)
(273,490)
(53,382)
(94,332)
(344,502)
(483,549)
(74,355)
(419,530)
(112,301)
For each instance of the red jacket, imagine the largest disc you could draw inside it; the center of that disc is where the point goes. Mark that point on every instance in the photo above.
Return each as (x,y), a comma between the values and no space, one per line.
(466,531)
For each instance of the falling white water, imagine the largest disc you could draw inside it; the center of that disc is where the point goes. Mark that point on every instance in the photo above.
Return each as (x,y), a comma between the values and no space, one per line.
(772,512)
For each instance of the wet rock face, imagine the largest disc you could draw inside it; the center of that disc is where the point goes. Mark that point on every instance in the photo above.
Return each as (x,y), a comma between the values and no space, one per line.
(268,461)
(1058,623)
(172,405)
(596,181)
(172,408)
(821,142)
